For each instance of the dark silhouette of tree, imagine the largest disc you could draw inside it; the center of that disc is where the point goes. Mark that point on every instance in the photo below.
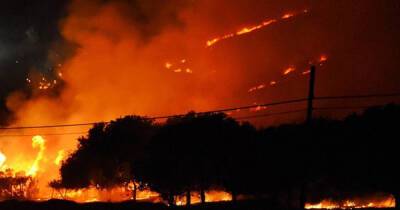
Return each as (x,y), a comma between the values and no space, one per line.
(197,152)
(109,156)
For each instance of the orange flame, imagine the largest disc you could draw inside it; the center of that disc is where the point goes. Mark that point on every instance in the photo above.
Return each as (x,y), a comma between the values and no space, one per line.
(60,157)
(211,196)
(323,58)
(2,159)
(37,142)
(289,70)
(386,202)
(250,29)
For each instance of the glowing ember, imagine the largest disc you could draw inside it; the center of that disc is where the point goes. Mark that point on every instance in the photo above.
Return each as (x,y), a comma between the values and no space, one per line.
(258,87)
(289,70)
(179,67)
(287,16)
(168,65)
(323,58)
(258,108)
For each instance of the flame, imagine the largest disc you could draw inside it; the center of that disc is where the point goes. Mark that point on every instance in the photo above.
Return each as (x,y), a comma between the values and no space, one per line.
(115,194)
(258,87)
(168,65)
(2,159)
(323,58)
(37,142)
(249,29)
(386,202)
(258,108)
(288,15)
(211,196)
(179,67)
(60,157)
(289,70)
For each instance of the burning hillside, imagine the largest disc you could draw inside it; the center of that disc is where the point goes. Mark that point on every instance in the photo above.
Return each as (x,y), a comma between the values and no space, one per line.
(149,58)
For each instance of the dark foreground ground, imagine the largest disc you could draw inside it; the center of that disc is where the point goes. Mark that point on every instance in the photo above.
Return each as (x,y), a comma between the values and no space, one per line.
(63,205)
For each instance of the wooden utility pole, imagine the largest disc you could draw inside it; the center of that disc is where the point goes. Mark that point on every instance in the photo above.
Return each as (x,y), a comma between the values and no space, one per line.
(311,94)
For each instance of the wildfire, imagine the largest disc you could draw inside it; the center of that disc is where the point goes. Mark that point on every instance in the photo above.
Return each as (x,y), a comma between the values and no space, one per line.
(178,67)
(320,60)
(37,142)
(288,15)
(168,65)
(289,70)
(258,108)
(115,194)
(386,202)
(250,29)
(2,159)
(43,83)
(323,58)
(60,157)
(211,196)
(258,87)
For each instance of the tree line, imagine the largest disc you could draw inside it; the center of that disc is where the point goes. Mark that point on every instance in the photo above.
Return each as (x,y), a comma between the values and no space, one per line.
(199,152)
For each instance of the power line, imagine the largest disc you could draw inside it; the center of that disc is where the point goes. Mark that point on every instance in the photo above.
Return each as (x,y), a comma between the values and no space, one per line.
(81,133)
(237,118)
(159,117)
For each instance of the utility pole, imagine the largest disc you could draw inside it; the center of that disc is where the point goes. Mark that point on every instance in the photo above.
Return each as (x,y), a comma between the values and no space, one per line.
(311,94)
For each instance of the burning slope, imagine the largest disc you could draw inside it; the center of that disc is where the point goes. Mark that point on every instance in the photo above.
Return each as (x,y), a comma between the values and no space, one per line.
(288,72)
(253,28)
